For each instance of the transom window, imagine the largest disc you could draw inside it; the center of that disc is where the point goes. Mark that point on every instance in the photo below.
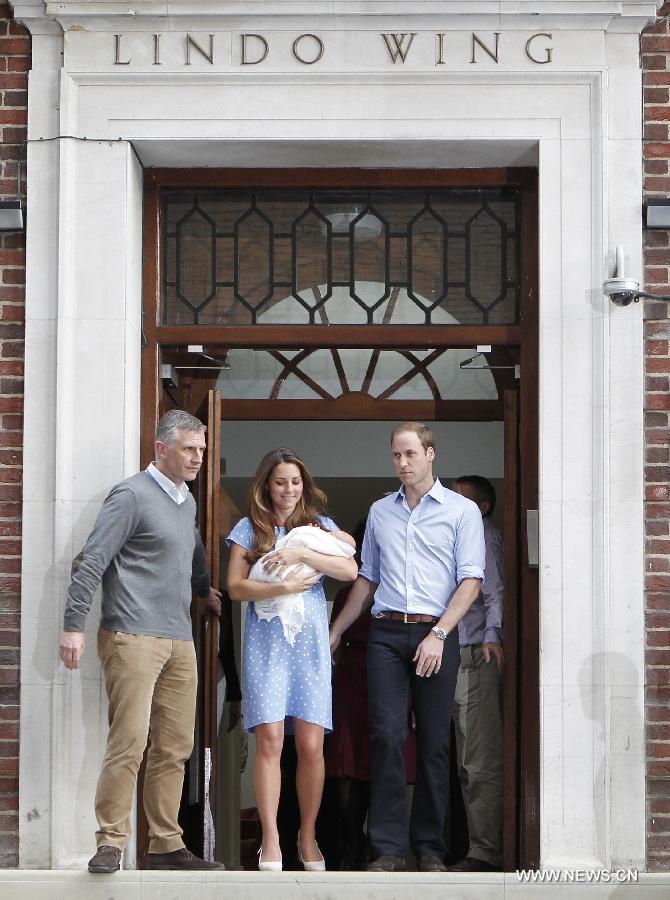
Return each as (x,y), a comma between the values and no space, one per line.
(333,257)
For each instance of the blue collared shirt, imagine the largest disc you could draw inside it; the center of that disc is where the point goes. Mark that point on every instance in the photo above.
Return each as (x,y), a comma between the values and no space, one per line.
(419,556)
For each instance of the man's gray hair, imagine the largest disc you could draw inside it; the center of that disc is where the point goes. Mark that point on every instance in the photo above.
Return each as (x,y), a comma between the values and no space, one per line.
(175,421)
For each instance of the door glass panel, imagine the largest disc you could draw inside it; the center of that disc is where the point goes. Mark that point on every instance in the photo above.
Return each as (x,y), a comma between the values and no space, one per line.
(233,257)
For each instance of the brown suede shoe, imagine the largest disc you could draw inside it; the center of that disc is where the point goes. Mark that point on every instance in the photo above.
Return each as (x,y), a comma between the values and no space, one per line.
(387,863)
(107,859)
(181,859)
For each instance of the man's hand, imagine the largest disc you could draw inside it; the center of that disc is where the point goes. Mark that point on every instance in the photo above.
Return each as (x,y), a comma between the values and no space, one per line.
(71,647)
(211,603)
(334,637)
(494,651)
(428,656)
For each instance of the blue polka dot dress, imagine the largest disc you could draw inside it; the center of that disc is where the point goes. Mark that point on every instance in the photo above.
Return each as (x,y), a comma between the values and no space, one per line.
(280,681)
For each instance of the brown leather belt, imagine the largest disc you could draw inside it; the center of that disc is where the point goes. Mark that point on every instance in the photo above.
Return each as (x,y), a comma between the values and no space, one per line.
(408,618)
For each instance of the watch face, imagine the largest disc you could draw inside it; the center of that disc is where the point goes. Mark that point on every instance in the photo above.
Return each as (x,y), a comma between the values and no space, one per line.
(440,633)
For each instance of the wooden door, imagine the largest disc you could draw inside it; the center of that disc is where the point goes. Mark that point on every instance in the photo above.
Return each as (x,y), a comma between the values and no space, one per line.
(202,774)
(510,625)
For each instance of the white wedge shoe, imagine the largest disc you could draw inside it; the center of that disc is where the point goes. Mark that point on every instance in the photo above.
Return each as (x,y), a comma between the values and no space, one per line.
(319,865)
(271,865)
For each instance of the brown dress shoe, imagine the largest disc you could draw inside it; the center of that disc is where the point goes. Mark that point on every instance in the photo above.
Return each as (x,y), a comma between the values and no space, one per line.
(387,863)
(107,859)
(181,859)
(431,864)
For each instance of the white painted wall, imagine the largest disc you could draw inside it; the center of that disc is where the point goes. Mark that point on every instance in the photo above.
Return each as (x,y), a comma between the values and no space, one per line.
(581,117)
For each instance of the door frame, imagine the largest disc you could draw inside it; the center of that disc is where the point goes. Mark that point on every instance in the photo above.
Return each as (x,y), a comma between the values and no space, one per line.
(522,337)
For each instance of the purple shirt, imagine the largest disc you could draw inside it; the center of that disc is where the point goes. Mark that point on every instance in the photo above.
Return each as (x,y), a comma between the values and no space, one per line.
(482,623)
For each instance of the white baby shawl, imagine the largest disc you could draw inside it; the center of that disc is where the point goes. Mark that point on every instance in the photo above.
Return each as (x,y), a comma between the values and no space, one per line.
(290,608)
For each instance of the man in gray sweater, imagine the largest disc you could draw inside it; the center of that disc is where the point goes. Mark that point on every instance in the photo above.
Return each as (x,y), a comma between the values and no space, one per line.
(142,550)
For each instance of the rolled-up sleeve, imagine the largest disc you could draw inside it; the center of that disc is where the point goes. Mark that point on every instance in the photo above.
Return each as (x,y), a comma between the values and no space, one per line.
(470,549)
(370,553)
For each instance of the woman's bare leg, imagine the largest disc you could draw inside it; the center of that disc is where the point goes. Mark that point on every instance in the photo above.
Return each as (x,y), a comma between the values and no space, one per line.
(267,784)
(309,783)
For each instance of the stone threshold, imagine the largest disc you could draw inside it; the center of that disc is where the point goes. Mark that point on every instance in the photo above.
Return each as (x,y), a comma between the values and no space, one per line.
(25,884)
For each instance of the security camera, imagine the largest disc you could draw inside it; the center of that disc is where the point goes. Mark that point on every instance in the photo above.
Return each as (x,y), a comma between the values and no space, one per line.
(622,291)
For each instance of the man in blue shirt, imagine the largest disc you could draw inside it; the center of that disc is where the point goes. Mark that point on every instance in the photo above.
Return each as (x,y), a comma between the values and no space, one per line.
(422,568)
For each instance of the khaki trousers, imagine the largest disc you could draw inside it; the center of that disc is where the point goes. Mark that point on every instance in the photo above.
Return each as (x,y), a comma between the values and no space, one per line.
(151,685)
(478,725)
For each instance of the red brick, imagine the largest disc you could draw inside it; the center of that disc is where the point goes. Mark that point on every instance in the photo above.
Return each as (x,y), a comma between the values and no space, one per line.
(651,42)
(654,131)
(652,401)
(651,63)
(654,167)
(656,238)
(656,347)
(18,276)
(11,423)
(652,383)
(654,147)
(657,492)
(657,528)
(651,455)
(654,78)
(652,275)
(20,98)
(659,825)
(9,492)
(653,511)
(16,116)
(12,135)
(650,95)
(15,404)
(12,293)
(653,364)
(659,657)
(654,564)
(658,546)
(15,367)
(13,313)
(658,714)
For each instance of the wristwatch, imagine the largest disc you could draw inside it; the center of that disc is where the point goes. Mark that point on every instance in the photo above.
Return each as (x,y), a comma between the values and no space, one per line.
(439,632)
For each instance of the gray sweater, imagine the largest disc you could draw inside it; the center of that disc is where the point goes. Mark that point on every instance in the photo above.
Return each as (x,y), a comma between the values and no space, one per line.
(142,548)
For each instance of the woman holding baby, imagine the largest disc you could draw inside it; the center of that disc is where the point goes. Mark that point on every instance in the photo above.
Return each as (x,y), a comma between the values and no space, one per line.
(286,658)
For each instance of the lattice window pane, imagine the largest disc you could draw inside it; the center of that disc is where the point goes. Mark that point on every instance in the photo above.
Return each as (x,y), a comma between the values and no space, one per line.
(340,257)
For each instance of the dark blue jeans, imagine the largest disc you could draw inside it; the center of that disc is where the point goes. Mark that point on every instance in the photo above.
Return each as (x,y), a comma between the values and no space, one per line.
(391,675)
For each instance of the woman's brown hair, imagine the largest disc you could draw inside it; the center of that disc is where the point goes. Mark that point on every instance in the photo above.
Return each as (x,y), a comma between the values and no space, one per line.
(311,505)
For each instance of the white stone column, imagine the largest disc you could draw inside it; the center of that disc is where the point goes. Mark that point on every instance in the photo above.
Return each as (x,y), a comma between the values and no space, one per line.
(81,436)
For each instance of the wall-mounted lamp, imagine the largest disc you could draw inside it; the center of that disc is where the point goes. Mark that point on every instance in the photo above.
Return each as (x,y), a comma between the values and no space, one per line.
(623,291)
(657,212)
(11,213)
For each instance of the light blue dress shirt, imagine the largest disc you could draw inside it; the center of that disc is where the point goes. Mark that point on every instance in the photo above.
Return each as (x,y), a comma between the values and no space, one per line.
(419,556)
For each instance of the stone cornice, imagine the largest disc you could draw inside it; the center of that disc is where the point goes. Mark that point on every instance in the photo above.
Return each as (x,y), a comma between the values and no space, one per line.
(628,16)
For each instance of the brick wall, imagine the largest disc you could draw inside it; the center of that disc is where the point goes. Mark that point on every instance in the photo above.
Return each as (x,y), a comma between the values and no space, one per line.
(14,64)
(656,68)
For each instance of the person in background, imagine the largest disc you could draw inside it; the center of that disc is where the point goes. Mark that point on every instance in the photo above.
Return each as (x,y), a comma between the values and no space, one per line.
(286,675)
(477,704)
(143,550)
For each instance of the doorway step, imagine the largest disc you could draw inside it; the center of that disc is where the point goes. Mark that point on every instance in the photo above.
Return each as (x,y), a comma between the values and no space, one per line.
(18,884)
